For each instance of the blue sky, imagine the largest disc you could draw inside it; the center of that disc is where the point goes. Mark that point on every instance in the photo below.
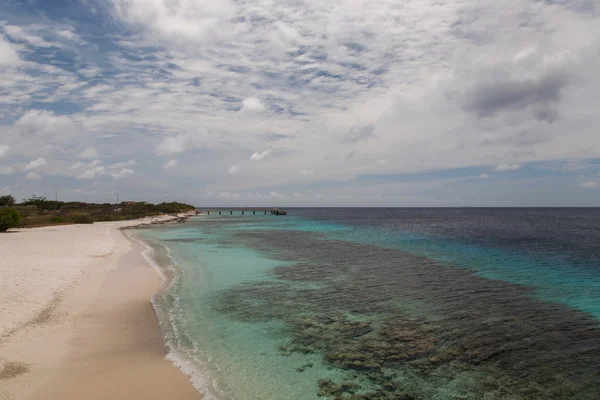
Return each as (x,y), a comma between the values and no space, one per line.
(302,103)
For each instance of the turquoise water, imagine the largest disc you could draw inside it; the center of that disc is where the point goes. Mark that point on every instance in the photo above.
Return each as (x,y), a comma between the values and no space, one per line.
(303,307)
(237,359)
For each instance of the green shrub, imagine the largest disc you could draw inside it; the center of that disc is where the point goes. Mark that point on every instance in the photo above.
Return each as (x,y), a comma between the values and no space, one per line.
(7,201)
(42,203)
(57,220)
(83,219)
(9,218)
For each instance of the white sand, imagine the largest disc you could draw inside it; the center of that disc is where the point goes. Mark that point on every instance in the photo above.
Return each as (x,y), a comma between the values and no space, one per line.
(37,265)
(50,281)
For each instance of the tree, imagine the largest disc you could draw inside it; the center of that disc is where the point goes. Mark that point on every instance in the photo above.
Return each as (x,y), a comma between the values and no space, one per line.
(9,218)
(35,201)
(42,203)
(7,201)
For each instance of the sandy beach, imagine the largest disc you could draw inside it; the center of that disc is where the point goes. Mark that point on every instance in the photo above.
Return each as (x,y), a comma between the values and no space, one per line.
(76,319)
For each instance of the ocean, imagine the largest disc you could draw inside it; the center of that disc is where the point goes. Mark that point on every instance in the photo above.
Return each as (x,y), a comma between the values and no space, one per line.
(372,303)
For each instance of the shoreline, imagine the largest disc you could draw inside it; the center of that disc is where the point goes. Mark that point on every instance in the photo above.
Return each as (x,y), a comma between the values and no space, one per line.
(98,336)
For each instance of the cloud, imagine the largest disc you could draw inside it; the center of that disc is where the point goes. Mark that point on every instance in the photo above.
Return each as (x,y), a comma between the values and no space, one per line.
(360,133)
(26,35)
(89,153)
(95,169)
(170,164)
(588,185)
(497,94)
(93,173)
(123,164)
(507,167)
(252,104)
(517,140)
(306,172)
(190,20)
(86,192)
(233,169)
(76,165)
(260,156)
(175,74)
(33,164)
(484,176)
(121,173)
(6,170)
(173,145)
(67,33)
(33,176)
(8,55)
(229,195)
(44,123)
(4,150)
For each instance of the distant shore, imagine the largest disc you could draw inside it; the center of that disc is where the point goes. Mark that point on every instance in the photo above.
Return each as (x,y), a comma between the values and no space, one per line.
(76,319)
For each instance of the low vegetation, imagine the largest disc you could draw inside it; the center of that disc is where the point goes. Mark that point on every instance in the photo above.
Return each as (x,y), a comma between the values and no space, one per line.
(7,201)
(9,218)
(39,211)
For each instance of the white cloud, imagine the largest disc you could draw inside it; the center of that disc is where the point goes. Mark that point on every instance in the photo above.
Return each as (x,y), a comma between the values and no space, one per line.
(67,34)
(86,192)
(588,185)
(123,164)
(33,176)
(95,169)
(484,176)
(233,169)
(170,164)
(252,104)
(359,134)
(26,35)
(76,165)
(172,145)
(493,75)
(33,164)
(507,167)
(6,169)
(4,150)
(88,154)
(306,172)
(45,123)
(93,173)
(229,195)
(8,55)
(260,156)
(122,173)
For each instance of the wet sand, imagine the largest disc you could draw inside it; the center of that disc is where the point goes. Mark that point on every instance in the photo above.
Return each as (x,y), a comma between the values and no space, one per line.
(117,352)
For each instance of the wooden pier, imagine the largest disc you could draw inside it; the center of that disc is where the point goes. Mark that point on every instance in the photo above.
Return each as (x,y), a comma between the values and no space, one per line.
(243,211)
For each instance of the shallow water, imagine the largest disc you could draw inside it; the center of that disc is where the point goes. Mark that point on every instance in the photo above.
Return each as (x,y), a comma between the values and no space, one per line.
(385,303)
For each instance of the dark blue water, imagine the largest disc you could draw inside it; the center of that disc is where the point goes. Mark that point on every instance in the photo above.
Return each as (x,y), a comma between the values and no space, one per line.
(387,303)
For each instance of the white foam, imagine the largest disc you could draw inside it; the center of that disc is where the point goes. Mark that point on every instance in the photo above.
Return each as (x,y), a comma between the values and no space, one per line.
(197,377)
(148,255)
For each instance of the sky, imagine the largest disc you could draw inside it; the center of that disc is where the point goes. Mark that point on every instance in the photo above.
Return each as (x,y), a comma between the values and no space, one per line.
(302,102)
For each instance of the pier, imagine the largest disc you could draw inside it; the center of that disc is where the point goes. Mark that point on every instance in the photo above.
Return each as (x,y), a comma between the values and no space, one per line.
(243,211)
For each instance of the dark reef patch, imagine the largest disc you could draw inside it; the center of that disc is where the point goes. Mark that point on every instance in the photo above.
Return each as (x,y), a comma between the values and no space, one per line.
(405,327)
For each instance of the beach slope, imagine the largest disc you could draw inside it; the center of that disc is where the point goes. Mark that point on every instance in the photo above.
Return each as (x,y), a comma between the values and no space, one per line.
(76,319)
